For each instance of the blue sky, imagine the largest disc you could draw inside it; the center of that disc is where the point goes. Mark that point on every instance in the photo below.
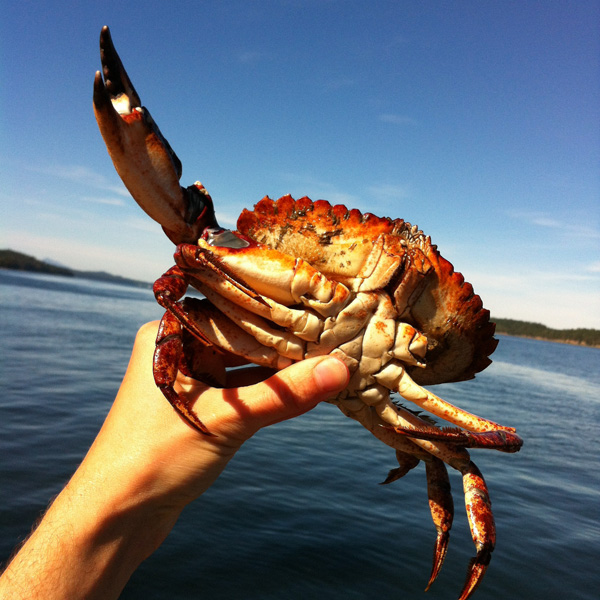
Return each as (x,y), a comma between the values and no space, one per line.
(477,121)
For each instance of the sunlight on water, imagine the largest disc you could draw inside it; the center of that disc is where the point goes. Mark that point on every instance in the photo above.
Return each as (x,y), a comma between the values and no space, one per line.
(548,380)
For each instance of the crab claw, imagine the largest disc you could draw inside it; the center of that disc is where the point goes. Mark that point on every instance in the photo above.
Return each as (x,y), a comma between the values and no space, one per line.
(481,522)
(142,156)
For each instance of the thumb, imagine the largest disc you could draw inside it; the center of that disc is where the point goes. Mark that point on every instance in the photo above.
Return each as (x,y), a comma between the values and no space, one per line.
(294,390)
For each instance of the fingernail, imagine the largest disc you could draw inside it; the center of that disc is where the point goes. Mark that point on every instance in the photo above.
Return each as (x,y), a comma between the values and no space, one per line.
(331,375)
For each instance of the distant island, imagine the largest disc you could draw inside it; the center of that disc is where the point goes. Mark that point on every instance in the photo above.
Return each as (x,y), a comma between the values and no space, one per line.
(582,337)
(9,259)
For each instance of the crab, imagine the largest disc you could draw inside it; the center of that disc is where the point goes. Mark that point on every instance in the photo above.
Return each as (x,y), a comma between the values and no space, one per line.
(300,278)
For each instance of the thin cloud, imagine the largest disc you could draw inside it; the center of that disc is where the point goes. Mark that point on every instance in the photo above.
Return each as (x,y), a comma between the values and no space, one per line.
(141,223)
(543,221)
(306,185)
(593,267)
(539,296)
(340,83)
(250,57)
(387,191)
(83,217)
(528,279)
(228,219)
(107,201)
(547,221)
(82,175)
(397,119)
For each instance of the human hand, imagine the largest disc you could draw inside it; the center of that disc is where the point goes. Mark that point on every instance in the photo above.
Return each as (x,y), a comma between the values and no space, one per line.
(144,435)
(145,465)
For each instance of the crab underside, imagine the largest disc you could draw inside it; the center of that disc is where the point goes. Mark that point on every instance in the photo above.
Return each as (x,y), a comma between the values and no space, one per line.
(300,279)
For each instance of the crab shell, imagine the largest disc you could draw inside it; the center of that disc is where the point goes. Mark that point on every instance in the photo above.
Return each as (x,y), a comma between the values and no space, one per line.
(428,294)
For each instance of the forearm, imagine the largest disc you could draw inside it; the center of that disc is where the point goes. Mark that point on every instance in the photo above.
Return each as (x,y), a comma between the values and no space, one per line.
(86,546)
(144,466)
(116,510)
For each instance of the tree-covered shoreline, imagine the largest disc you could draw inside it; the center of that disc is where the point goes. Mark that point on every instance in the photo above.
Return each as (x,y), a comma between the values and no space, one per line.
(17,261)
(581,336)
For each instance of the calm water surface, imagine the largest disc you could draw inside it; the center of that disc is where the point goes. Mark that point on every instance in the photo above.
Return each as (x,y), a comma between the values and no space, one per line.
(298,513)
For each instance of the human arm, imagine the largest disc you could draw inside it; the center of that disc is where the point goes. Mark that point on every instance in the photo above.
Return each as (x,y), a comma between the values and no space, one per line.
(144,467)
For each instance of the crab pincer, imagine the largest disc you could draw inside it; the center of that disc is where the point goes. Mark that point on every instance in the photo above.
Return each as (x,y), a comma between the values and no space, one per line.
(142,156)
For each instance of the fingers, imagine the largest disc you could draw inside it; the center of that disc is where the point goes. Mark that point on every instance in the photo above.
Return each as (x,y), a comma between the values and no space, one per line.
(248,376)
(289,393)
(241,411)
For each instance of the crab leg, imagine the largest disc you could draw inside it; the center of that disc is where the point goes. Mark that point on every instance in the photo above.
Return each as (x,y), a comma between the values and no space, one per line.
(477,502)
(395,377)
(479,513)
(501,439)
(232,275)
(208,325)
(406,462)
(453,455)
(481,522)
(168,290)
(212,329)
(169,347)
(203,362)
(286,344)
(304,326)
(441,506)
(427,400)
(210,275)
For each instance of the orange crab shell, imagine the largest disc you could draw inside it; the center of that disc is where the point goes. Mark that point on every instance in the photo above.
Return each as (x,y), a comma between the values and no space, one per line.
(428,293)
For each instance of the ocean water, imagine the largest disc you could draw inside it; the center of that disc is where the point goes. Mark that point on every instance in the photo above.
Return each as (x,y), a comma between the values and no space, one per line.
(299,512)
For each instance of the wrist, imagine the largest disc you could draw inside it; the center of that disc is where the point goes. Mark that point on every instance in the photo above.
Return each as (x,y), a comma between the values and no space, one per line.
(106,508)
